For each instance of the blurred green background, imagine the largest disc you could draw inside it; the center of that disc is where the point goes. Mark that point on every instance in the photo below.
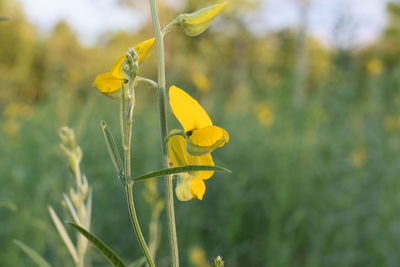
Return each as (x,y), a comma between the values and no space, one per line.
(314,144)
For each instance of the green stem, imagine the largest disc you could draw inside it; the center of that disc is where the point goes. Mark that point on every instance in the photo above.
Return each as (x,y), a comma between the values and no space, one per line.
(127,105)
(169,27)
(163,125)
(148,81)
(136,226)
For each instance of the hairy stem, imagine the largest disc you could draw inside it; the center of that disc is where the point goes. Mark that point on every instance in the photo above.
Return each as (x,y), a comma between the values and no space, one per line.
(163,124)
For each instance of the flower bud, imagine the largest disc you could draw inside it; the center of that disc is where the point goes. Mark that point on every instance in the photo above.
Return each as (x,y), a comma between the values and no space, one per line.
(197,22)
(135,55)
(218,262)
(84,187)
(78,154)
(74,197)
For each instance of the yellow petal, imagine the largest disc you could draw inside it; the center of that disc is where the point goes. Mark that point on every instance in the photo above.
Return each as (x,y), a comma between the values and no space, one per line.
(187,110)
(197,22)
(209,136)
(183,191)
(198,188)
(201,160)
(187,189)
(107,83)
(117,70)
(179,156)
(177,151)
(142,49)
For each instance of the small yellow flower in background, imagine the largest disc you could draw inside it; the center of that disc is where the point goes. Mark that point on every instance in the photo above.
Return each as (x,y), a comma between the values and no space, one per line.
(198,257)
(200,81)
(197,22)
(202,136)
(17,110)
(111,82)
(359,157)
(391,123)
(264,114)
(190,185)
(374,67)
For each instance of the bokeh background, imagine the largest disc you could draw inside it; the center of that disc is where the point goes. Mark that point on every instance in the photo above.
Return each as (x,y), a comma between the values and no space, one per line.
(314,121)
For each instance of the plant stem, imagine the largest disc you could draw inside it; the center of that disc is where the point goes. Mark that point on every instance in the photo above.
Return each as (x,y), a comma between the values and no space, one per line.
(148,81)
(163,125)
(136,226)
(127,105)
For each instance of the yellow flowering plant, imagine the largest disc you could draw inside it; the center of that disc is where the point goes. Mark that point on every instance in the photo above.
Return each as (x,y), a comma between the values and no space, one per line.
(189,184)
(193,145)
(185,153)
(110,82)
(201,135)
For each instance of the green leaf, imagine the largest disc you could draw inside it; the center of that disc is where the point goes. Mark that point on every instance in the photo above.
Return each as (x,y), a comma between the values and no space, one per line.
(63,234)
(112,150)
(39,260)
(4,18)
(107,252)
(176,170)
(137,263)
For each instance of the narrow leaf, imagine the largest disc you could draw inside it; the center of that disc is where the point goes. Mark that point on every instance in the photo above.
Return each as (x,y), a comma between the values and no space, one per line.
(107,252)
(4,18)
(36,258)
(176,170)
(71,209)
(138,262)
(64,235)
(112,150)
(89,204)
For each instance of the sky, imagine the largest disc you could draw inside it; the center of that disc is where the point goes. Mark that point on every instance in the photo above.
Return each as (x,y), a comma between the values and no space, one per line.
(357,21)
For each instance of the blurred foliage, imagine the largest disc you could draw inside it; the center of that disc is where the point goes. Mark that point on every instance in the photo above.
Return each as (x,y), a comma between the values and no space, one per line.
(313,185)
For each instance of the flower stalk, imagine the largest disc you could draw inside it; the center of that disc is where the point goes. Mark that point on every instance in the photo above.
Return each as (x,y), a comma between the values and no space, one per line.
(78,201)
(164,131)
(126,116)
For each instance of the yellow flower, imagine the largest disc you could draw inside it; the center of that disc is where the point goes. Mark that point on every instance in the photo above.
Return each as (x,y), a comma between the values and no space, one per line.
(391,123)
(197,22)
(202,136)
(359,157)
(198,257)
(110,82)
(264,114)
(201,81)
(190,185)
(375,67)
